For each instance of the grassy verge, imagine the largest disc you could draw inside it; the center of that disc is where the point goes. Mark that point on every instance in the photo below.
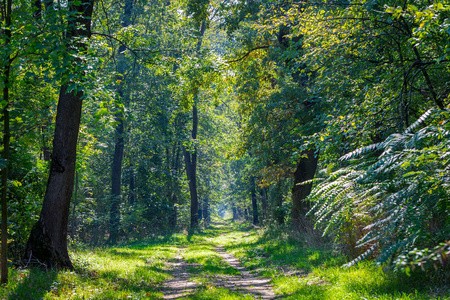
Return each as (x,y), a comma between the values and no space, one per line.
(304,272)
(298,271)
(129,272)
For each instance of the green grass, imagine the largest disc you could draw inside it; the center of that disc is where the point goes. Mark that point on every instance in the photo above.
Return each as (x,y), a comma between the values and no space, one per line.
(213,293)
(304,272)
(297,271)
(207,261)
(132,272)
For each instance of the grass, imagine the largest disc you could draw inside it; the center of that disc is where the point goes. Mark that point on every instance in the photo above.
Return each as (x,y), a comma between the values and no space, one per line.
(131,272)
(304,272)
(297,271)
(213,293)
(206,261)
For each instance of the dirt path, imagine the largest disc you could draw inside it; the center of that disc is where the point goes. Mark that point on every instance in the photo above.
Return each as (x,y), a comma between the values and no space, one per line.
(179,286)
(246,283)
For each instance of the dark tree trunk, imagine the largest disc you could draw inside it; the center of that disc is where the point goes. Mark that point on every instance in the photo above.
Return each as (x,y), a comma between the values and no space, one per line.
(116,186)
(246,213)
(175,186)
(48,238)
(306,168)
(116,167)
(277,200)
(6,139)
(191,156)
(263,194)
(74,206)
(200,210)
(254,203)
(234,212)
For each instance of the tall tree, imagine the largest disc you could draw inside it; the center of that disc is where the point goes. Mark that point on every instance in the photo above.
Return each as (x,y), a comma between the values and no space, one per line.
(190,156)
(254,202)
(6,17)
(306,169)
(48,238)
(116,167)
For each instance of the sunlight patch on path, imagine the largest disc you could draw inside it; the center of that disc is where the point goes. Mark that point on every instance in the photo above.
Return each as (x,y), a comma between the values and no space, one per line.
(246,282)
(179,286)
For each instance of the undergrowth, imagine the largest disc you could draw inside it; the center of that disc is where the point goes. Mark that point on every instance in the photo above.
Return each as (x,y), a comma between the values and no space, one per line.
(301,271)
(297,270)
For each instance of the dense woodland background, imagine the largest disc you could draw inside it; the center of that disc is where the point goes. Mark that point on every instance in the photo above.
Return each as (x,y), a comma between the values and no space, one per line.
(331,115)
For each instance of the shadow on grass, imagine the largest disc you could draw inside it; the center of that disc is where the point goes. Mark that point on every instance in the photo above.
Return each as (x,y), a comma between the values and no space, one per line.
(284,254)
(212,293)
(214,266)
(34,285)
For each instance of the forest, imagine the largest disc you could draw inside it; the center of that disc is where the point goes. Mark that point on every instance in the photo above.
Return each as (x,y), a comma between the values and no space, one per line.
(177,149)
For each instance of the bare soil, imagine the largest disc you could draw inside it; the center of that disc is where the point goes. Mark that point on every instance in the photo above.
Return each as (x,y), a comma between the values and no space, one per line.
(246,282)
(180,285)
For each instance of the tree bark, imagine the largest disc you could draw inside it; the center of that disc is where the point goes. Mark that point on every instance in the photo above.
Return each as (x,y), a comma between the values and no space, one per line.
(190,157)
(306,168)
(200,210)
(263,194)
(116,167)
(277,200)
(74,206)
(175,186)
(6,140)
(254,203)
(116,186)
(48,238)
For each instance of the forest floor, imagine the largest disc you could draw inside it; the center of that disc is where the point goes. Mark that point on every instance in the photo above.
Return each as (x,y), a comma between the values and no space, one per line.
(225,261)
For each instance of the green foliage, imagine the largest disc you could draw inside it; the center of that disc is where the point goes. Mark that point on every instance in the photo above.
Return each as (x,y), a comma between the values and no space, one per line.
(301,271)
(400,195)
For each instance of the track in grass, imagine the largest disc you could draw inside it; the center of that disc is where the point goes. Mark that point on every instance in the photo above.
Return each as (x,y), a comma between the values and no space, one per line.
(246,282)
(204,270)
(180,285)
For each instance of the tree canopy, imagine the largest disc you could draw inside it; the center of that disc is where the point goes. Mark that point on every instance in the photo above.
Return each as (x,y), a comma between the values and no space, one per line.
(122,120)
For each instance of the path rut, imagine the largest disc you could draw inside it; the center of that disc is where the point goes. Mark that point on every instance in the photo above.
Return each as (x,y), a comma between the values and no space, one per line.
(179,286)
(245,283)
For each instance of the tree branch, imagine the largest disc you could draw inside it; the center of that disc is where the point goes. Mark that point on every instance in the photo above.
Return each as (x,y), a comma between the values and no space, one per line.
(248,53)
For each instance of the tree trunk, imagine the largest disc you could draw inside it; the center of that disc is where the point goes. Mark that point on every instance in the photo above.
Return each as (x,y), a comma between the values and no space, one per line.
(6,140)
(48,238)
(116,186)
(306,168)
(277,200)
(116,167)
(175,186)
(200,210)
(206,212)
(191,166)
(263,194)
(75,202)
(254,203)
(191,157)
(234,211)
